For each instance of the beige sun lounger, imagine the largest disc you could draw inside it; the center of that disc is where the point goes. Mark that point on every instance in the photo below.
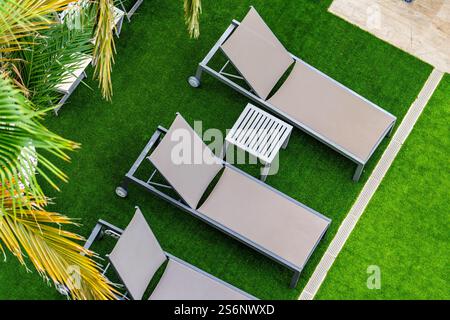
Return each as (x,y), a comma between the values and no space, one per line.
(137,256)
(239,205)
(308,99)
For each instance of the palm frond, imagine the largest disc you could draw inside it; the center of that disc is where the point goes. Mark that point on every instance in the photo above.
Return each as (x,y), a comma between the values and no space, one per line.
(192,11)
(36,234)
(20,18)
(104,48)
(55,54)
(21,129)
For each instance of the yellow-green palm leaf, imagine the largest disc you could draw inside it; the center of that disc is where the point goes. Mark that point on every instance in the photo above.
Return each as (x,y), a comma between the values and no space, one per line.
(104,48)
(55,253)
(21,130)
(192,11)
(20,18)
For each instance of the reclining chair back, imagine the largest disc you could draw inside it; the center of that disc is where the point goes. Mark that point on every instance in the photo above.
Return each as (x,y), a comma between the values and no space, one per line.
(137,256)
(185,161)
(257,54)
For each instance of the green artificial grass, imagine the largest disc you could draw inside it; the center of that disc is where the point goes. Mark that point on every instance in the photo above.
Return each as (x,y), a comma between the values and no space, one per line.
(404,230)
(154,59)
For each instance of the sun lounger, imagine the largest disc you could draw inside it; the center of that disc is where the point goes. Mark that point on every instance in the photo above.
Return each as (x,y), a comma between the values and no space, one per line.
(137,256)
(239,205)
(308,99)
(73,78)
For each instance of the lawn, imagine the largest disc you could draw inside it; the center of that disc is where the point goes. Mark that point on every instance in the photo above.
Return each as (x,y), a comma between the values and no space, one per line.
(154,59)
(405,228)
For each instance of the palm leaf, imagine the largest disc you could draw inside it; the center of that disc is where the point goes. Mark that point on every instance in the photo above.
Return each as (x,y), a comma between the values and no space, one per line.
(20,18)
(192,11)
(104,48)
(55,54)
(20,129)
(55,254)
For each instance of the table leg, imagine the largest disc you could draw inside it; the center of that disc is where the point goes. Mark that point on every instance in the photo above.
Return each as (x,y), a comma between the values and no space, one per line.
(265,171)
(286,141)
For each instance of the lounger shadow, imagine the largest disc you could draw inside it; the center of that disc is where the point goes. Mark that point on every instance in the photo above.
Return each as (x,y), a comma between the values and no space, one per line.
(239,205)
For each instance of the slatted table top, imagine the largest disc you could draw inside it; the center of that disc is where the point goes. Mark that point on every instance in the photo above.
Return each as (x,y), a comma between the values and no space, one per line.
(259,133)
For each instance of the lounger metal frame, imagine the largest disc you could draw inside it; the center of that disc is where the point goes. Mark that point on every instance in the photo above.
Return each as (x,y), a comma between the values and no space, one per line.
(105,228)
(152,187)
(133,9)
(224,77)
(68,93)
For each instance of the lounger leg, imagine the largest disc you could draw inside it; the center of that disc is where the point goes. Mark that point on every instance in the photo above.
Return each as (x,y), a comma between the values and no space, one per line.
(358,172)
(57,109)
(195,81)
(94,235)
(133,9)
(294,279)
(199,72)
(124,10)
(61,102)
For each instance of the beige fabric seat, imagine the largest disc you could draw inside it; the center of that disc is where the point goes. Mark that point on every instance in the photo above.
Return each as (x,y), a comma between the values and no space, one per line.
(311,100)
(183,282)
(265,217)
(332,111)
(137,256)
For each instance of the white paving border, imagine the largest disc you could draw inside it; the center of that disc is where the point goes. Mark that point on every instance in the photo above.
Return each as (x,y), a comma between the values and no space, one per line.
(348,224)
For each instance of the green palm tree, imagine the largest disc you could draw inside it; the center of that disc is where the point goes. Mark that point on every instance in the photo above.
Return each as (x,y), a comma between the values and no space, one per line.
(36,53)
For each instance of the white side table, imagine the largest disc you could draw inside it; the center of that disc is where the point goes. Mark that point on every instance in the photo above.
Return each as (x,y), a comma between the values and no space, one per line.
(260,134)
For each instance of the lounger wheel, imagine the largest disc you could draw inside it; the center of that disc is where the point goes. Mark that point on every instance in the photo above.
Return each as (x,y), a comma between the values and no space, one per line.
(121,192)
(194,82)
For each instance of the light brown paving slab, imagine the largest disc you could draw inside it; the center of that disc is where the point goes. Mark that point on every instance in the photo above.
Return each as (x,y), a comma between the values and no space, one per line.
(421,28)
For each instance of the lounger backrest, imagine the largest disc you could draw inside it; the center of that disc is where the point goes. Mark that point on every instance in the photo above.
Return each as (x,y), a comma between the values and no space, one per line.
(137,256)
(185,161)
(257,54)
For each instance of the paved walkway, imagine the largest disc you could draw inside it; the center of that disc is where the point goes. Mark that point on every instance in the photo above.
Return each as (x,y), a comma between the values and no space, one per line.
(421,28)
(371,186)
